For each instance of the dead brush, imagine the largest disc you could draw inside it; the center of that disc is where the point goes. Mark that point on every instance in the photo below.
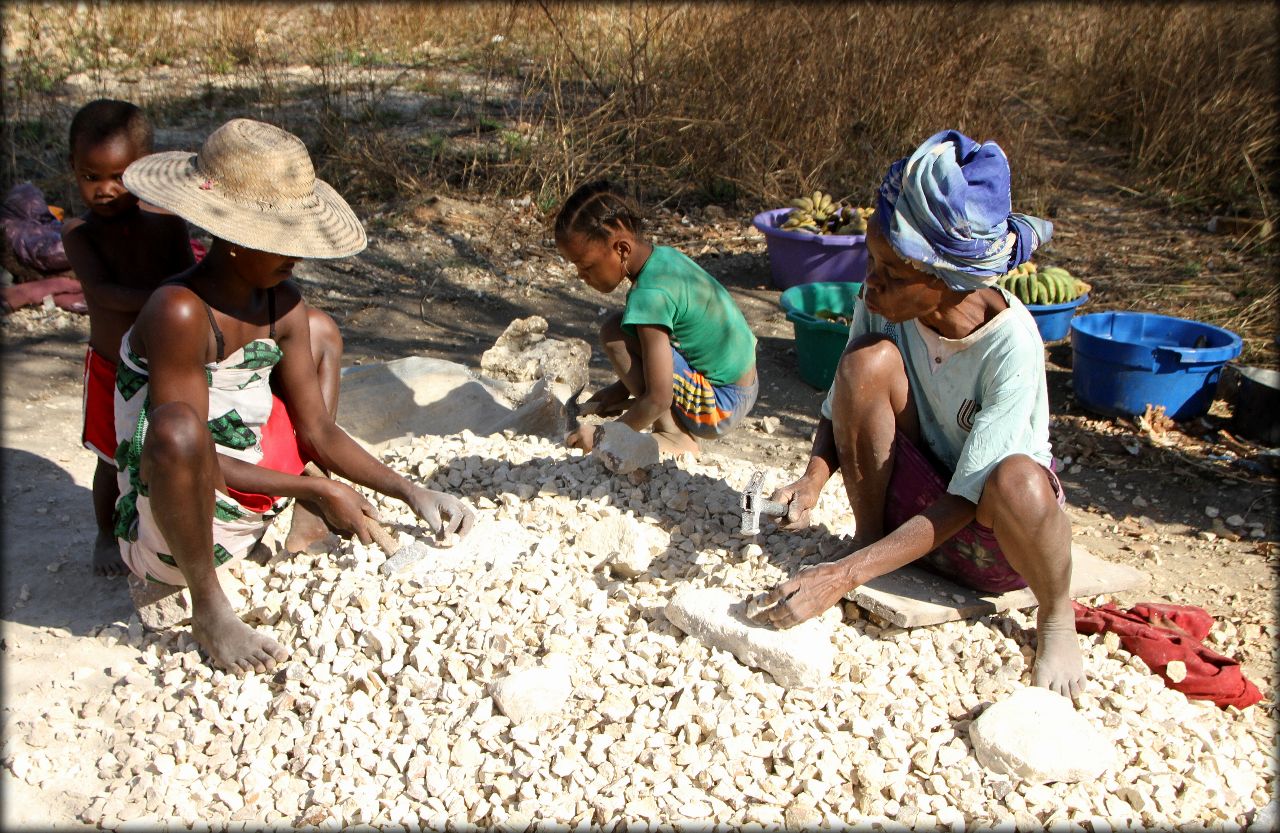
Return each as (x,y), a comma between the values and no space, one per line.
(690,101)
(1187,90)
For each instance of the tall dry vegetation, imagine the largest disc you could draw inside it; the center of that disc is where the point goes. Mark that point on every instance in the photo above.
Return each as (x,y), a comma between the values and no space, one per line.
(1187,91)
(694,101)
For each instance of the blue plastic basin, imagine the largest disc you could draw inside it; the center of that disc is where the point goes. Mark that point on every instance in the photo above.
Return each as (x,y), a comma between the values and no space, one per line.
(1124,361)
(1054,320)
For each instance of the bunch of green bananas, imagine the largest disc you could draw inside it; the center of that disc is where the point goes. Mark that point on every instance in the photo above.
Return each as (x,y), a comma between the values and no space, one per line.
(1050,285)
(818,213)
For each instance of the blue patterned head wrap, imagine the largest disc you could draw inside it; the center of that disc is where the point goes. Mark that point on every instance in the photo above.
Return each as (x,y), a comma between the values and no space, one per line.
(945,209)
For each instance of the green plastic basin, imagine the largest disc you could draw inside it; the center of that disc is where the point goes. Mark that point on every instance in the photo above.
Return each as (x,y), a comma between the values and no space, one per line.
(819,342)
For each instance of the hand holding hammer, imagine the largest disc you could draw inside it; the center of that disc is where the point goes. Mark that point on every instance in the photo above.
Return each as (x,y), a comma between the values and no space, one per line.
(754,504)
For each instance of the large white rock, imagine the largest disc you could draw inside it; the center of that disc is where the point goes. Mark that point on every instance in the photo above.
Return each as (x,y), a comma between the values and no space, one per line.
(619,541)
(798,657)
(524,353)
(1037,735)
(533,692)
(623,449)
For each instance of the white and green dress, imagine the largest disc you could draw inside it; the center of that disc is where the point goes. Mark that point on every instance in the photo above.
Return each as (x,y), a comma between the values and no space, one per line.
(240,403)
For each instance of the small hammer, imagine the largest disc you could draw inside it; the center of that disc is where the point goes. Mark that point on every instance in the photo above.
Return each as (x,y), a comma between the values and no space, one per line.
(573,409)
(398,558)
(753,504)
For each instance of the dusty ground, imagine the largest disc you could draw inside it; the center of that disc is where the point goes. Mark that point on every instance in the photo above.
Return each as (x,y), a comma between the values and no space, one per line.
(1188,504)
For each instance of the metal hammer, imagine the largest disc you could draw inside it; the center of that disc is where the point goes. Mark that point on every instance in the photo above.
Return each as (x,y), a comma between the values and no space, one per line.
(753,504)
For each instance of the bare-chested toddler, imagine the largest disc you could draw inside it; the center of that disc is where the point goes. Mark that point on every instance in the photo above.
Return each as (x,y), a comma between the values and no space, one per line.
(120,252)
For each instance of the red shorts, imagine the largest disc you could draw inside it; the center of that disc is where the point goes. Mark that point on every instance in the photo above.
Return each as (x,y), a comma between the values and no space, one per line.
(99,432)
(971,556)
(280,453)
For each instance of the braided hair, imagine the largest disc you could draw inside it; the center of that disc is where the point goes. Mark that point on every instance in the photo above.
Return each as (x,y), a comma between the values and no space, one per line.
(595,211)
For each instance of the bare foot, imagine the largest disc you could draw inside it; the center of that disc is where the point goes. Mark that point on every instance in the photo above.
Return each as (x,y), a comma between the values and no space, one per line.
(306,528)
(106,556)
(677,443)
(1058,666)
(231,643)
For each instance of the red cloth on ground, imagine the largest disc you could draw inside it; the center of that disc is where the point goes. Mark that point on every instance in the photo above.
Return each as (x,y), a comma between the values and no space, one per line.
(280,453)
(1162,633)
(99,431)
(66,292)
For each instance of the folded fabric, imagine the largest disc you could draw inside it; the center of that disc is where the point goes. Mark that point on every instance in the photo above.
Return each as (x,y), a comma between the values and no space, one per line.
(32,233)
(66,293)
(1161,633)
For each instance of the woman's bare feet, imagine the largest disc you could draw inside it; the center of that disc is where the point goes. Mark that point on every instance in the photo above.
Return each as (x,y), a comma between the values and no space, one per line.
(676,443)
(1058,666)
(232,644)
(106,556)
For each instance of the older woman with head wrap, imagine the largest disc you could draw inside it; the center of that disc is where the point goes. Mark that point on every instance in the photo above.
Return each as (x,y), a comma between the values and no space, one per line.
(938,417)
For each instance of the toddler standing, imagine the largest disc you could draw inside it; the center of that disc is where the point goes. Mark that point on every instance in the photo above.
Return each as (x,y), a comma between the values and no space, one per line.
(120,253)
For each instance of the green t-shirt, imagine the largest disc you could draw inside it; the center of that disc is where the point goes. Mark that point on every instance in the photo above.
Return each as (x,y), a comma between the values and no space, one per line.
(699,314)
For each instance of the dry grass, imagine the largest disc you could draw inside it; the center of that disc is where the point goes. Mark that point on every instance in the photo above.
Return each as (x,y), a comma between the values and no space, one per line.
(713,101)
(742,104)
(1187,91)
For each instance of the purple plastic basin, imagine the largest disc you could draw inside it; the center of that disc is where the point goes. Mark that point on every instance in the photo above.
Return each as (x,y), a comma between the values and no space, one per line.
(799,257)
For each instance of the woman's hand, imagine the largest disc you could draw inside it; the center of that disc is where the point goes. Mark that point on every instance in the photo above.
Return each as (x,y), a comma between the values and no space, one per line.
(344,509)
(799,497)
(813,590)
(442,513)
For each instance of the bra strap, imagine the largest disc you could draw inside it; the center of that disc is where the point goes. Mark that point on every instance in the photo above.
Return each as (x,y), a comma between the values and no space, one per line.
(217,333)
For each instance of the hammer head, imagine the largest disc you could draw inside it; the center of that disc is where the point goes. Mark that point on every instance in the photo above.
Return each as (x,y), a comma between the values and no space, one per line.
(750,502)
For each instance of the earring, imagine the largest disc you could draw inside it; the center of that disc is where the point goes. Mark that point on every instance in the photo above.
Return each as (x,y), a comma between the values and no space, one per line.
(231,252)
(626,273)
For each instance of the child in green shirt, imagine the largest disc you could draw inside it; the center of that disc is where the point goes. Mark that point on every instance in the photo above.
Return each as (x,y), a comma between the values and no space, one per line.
(680,346)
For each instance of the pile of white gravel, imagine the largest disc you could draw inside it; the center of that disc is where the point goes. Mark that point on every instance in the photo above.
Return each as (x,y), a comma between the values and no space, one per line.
(384,715)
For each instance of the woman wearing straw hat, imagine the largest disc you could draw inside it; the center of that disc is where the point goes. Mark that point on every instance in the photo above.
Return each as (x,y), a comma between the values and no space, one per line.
(203,470)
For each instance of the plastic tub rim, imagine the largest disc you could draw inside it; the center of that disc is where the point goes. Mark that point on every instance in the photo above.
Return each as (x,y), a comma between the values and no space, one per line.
(1185,355)
(1049,308)
(764,222)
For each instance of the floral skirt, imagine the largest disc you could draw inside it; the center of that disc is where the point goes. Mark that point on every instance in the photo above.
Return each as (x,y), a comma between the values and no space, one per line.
(971,556)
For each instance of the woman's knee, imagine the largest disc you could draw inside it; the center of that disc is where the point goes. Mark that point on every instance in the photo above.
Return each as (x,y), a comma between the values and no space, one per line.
(1021,485)
(871,360)
(326,338)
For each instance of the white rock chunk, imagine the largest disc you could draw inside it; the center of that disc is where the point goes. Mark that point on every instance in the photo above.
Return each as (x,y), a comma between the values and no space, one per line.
(624,450)
(798,657)
(533,692)
(1036,735)
(620,542)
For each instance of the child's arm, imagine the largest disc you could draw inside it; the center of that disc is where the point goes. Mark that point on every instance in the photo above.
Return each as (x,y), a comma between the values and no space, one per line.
(655,354)
(330,446)
(95,279)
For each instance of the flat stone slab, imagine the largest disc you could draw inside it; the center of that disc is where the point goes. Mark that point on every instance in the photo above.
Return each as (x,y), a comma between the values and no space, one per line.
(800,657)
(912,595)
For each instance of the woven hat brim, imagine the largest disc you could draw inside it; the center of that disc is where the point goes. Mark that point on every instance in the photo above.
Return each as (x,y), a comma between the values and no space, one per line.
(327,229)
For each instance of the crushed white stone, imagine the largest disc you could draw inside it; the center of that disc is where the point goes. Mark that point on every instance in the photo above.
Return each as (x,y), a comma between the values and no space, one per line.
(384,716)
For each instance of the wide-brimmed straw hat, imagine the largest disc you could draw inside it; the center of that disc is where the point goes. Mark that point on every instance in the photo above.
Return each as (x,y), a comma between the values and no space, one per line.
(251,184)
